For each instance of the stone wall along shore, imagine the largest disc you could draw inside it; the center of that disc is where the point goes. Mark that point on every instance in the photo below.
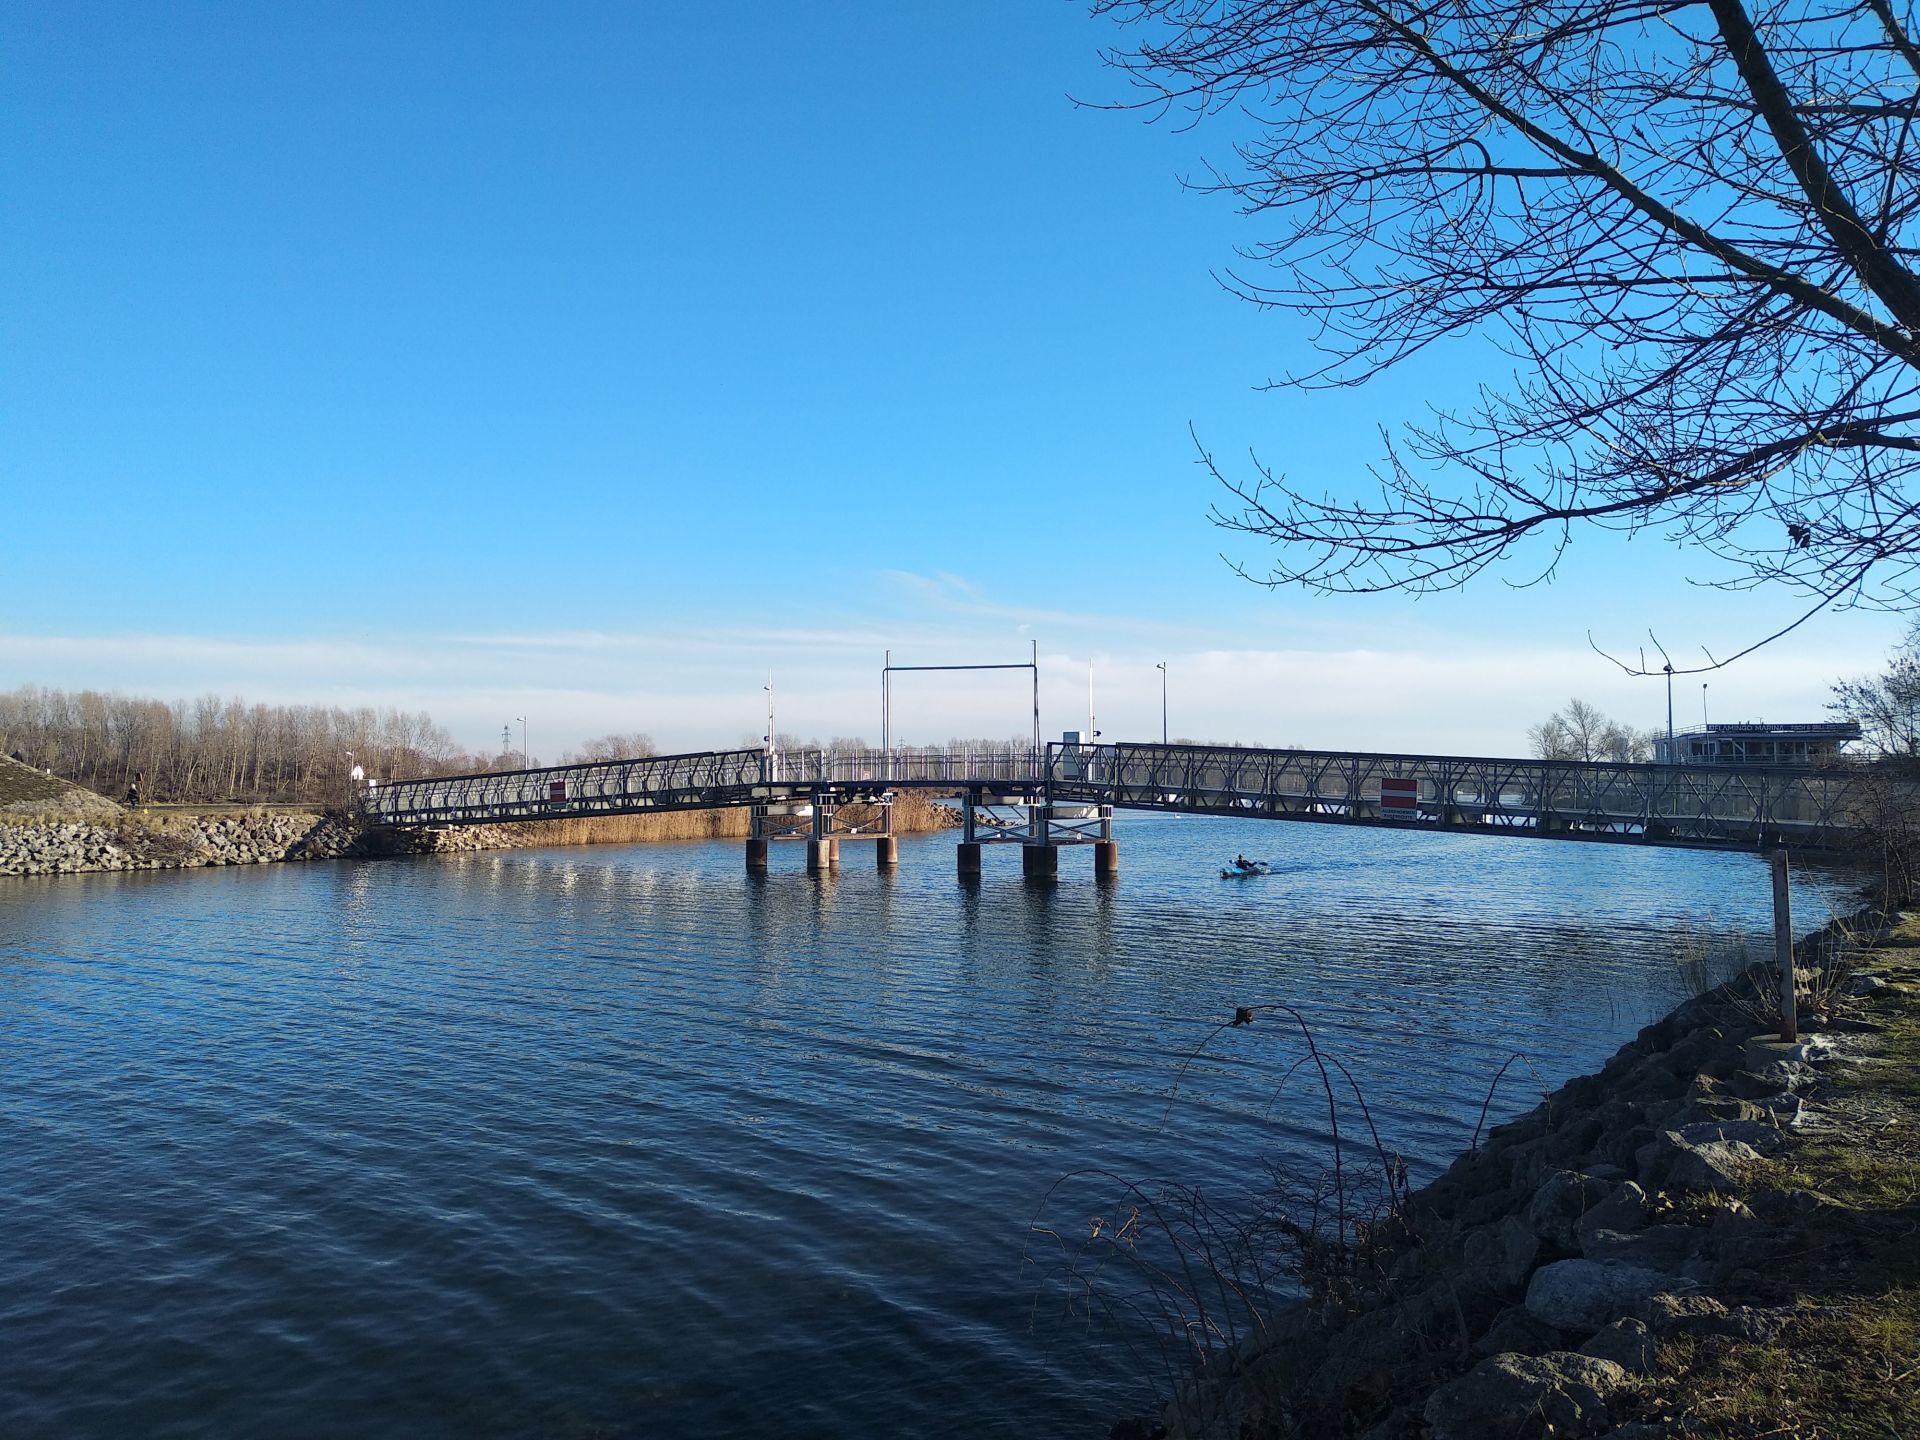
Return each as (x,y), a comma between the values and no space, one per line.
(65,848)
(157,841)
(1533,1289)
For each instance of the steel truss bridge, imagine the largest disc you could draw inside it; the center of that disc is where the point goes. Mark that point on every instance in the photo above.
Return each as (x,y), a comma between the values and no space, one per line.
(1065,794)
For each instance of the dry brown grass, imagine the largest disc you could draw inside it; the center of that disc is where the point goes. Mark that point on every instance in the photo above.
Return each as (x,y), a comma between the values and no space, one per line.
(1847,1366)
(913,813)
(28,795)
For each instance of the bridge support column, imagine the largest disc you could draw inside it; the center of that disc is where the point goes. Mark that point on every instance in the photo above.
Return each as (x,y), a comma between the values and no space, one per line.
(1106,859)
(886,852)
(1040,862)
(757,854)
(822,855)
(968,858)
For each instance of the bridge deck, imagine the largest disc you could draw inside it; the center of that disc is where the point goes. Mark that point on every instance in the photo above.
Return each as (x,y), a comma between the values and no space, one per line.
(1720,807)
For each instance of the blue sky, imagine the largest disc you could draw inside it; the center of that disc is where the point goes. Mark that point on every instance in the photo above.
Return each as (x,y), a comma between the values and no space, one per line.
(588,361)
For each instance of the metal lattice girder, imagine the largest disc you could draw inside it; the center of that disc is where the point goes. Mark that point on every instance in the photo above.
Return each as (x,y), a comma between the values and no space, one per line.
(616,787)
(1719,806)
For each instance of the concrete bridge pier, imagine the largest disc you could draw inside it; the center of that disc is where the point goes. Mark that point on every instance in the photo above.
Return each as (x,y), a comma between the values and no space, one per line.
(756,854)
(967,857)
(1106,859)
(886,852)
(822,855)
(1040,861)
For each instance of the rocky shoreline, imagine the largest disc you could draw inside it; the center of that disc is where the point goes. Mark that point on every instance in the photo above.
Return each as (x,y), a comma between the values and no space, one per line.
(146,841)
(70,848)
(1557,1276)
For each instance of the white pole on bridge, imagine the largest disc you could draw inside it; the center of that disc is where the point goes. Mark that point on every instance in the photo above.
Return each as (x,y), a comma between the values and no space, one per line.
(768,738)
(1671,758)
(1036,701)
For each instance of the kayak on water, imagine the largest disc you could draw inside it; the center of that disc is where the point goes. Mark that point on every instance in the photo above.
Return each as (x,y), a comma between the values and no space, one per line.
(1241,870)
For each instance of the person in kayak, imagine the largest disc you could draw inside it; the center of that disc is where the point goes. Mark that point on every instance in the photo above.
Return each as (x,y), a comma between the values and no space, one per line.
(1240,862)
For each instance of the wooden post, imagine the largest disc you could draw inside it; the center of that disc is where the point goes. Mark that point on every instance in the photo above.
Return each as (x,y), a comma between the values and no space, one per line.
(1783,949)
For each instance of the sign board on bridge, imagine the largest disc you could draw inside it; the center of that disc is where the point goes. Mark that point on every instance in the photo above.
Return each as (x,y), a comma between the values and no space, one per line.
(1399,798)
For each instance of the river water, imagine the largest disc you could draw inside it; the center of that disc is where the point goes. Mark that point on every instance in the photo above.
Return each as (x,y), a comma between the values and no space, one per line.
(620,1141)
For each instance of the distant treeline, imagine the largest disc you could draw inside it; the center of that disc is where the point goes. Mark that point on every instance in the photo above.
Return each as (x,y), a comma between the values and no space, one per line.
(210,749)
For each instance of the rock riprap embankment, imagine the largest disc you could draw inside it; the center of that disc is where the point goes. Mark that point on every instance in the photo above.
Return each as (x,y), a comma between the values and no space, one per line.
(60,849)
(1532,1288)
(181,842)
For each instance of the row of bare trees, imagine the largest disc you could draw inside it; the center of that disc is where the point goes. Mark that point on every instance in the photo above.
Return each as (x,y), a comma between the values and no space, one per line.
(1582,732)
(212,749)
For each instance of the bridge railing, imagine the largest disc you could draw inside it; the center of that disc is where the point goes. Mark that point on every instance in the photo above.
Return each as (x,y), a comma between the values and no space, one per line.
(919,765)
(606,787)
(1723,805)
(719,777)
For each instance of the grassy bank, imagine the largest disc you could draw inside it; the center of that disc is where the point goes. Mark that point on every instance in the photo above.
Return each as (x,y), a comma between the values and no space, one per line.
(1846,1199)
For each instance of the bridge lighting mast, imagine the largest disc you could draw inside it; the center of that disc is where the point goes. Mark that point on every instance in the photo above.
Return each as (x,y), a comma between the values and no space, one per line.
(768,738)
(1162,668)
(1668,667)
(525,763)
(1036,700)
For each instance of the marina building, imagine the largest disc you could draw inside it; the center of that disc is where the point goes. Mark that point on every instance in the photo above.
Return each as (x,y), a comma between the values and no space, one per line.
(1758,743)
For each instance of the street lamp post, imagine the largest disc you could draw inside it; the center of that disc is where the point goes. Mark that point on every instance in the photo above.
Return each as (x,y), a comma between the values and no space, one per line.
(1162,668)
(1669,669)
(1703,704)
(527,764)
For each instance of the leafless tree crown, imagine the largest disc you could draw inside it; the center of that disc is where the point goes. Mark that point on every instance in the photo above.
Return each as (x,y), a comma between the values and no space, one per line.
(1690,225)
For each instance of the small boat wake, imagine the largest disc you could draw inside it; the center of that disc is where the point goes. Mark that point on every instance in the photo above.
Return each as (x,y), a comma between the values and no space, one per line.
(1245,869)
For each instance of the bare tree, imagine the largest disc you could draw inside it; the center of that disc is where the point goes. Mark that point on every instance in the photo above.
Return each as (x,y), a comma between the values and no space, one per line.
(1582,732)
(1887,706)
(633,746)
(1691,225)
(210,750)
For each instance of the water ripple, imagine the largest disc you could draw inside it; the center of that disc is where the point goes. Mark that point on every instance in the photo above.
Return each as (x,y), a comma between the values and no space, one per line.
(622,1142)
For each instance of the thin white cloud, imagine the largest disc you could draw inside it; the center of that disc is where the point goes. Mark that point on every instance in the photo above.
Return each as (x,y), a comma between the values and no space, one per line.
(1336,684)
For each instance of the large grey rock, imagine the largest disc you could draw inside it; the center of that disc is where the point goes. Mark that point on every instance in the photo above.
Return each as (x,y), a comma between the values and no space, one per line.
(1708,1159)
(1518,1331)
(1718,1165)
(1499,1257)
(1683,1314)
(1661,1247)
(1627,1343)
(1763,1135)
(1517,1396)
(1586,1295)
(1559,1205)
(1622,1212)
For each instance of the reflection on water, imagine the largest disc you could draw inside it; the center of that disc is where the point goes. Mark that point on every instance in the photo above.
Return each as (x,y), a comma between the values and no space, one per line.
(623,1141)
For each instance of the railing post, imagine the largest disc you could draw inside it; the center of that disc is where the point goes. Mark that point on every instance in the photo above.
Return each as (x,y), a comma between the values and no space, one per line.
(1783,949)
